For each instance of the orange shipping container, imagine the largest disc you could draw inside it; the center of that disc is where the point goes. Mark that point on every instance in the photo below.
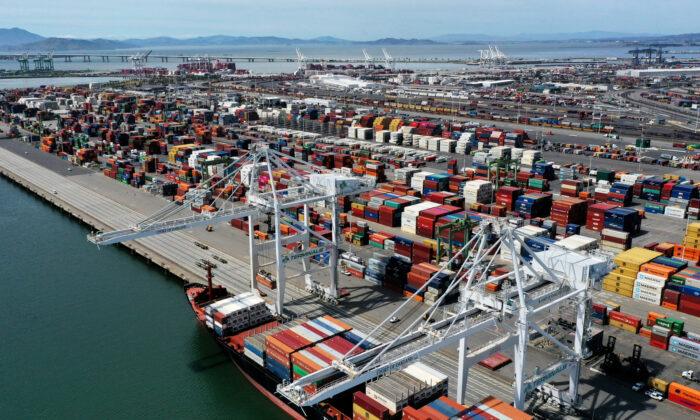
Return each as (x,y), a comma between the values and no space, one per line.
(658,270)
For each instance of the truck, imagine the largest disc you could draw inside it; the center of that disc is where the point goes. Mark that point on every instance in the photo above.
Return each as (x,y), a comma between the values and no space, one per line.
(690,375)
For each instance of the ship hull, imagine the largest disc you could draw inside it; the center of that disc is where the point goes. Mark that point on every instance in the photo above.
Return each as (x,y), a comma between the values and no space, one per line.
(262,379)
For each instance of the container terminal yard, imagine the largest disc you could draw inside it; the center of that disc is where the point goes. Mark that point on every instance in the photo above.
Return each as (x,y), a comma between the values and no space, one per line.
(498,242)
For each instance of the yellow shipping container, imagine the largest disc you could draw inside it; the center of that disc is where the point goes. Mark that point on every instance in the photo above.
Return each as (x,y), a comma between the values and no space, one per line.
(620,278)
(625,272)
(691,241)
(620,285)
(622,326)
(614,305)
(431,243)
(360,412)
(614,289)
(658,384)
(633,258)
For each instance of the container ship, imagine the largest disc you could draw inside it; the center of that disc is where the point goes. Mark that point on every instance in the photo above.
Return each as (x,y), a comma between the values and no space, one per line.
(268,352)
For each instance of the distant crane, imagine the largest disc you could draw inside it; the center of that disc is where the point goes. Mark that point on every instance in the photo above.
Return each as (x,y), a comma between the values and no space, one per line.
(369,61)
(139,59)
(492,56)
(301,59)
(24,62)
(388,59)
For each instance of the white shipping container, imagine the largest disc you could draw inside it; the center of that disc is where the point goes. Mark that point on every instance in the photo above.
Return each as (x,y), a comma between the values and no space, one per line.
(254,357)
(651,279)
(645,298)
(676,212)
(685,343)
(426,374)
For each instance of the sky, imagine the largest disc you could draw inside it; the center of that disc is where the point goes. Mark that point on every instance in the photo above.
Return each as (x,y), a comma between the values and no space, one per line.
(349,19)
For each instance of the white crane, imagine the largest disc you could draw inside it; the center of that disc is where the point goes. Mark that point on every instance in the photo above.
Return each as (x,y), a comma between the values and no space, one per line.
(388,59)
(368,58)
(140,58)
(260,201)
(493,55)
(550,278)
(301,59)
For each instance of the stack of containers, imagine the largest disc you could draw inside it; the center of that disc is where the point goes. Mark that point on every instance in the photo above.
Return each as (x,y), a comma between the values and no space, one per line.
(411,213)
(421,253)
(478,191)
(236,313)
(544,169)
(674,325)
(442,408)
(567,173)
(254,344)
(522,178)
(599,314)
(425,222)
(404,174)
(615,241)
(694,209)
(651,280)
(605,175)
(435,183)
(507,196)
(625,322)
(620,194)
(364,407)
(651,189)
(414,385)
(624,219)
(570,188)
(417,180)
(395,274)
(596,216)
(320,356)
(530,157)
(569,210)
(538,184)
(622,279)
(534,205)
(685,347)
(403,247)
(660,337)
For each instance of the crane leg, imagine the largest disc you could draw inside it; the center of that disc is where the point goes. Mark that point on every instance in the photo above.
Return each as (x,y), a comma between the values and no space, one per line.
(520,357)
(253,254)
(578,348)
(334,251)
(306,262)
(462,373)
(281,283)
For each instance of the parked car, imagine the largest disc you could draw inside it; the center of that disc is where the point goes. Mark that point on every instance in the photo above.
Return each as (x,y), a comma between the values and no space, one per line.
(654,394)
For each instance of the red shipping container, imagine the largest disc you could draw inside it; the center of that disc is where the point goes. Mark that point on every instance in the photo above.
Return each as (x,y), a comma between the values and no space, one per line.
(370,405)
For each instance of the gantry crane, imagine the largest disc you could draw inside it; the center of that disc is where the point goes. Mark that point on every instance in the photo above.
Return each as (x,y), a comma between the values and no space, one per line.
(548,279)
(388,59)
(324,185)
(369,61)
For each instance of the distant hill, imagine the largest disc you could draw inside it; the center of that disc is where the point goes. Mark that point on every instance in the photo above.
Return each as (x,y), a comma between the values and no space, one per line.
(529,37)
(69,44)
(17,36)
(228,40)
(399,41)
(263,40)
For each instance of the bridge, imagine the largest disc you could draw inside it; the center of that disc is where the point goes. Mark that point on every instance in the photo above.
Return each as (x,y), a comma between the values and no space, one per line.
(164,58)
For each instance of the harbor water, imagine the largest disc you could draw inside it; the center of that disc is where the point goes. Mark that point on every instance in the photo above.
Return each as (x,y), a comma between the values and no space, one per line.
(98,333)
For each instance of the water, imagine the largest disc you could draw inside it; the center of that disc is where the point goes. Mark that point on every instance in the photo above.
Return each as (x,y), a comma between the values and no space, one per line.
(529,50)
(91,333)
